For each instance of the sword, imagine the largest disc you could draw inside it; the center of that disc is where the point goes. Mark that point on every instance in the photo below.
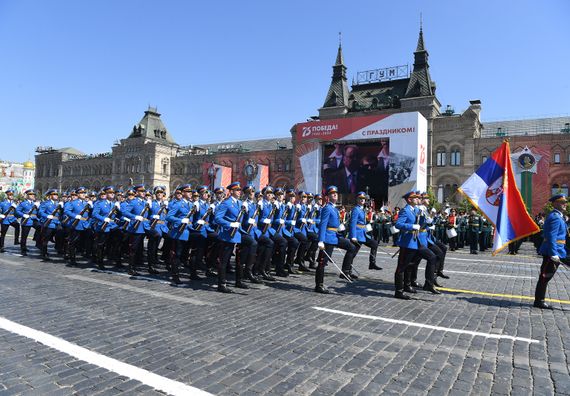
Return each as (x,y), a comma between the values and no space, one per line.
(337,267)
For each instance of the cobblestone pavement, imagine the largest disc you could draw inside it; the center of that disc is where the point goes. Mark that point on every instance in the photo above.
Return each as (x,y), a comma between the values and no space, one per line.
(272,340)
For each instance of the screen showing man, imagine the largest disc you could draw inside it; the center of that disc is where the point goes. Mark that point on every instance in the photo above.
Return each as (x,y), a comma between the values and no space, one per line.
(364,167)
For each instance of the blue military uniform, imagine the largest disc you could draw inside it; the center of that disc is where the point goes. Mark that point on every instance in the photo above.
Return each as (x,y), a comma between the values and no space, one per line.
(553,249)
(357,231)
(77,212)
(8,219)
(48,213)
(27,211)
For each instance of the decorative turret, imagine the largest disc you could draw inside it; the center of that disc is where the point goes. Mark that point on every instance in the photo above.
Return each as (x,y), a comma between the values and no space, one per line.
(152,127)
(420,81)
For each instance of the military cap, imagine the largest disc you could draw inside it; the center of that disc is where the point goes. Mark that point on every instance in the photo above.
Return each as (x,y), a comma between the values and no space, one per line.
(93,193)
(279,191)
(108,189)
(301,193)
(361,194)
(318,196)
(130,191)
(234,186)
(290,191)
(267,189)
(248,188)
(69,193)
(139,187)
(119,192)
(9,191)
(80,190)
(310,195)
(203,189)
(332,189)
(51,191)
(410,194)
(158,189)
(558,197)
(186,187)
(219,190)
(195,193)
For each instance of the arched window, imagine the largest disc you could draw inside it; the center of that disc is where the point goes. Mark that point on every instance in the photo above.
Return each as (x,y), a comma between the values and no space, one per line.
(441,157)
(455,158)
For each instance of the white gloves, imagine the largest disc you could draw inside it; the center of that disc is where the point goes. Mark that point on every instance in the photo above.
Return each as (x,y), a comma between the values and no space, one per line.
(51,217)
(354,240)
(304,221)
(432,227)
(212,206)
(311,221)
(321,245)
(244,205)
(37,204)
(127,219)
(250,221)
(201,222)
(341,227)
(298,206)
(429,220)
(433,210)
(293,222)
(267,221)
(14,205)
(2,216)
(156,217)
(234,224)
(78,217)
(90,204)
(416,227)
(185,220)
(117,205)
(556,259)
(26,216)
(281,221)
(368,228)
(139,218)
(107,220)
(289,205)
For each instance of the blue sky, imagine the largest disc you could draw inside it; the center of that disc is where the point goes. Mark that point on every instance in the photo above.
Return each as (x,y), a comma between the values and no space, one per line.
(81,73)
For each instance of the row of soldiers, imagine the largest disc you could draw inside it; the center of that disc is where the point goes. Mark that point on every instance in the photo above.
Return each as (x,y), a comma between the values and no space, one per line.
(265,229)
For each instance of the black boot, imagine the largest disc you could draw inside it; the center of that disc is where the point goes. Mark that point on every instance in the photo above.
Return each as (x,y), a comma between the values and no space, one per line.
(320,288)
(152,271)
(428,287)
(224,289)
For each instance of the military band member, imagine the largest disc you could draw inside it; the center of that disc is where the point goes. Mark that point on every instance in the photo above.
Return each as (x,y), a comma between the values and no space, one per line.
(179,219)
(8,219)
(329,239)
(77,212)
(473,230)
(357,231)
(552,249)
(229,215)
(49,215)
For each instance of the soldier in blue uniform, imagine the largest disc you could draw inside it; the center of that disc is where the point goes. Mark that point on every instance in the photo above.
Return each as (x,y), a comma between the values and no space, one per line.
(104,213)
(179,220)
(329,239)
(77,212)
(357,231)
(553,249)
(265,244)
(247,250)
(313,230)
(137,212)
(288,231)
(229,215)
(49,214)
(280,242)
(8,219)
(27,211)
(156,227)
(201,226)
(305,239)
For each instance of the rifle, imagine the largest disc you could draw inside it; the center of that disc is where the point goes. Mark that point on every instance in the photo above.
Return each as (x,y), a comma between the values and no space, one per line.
(154,222)
(271,214)
(255,214)
(76,221)
(295,217)
(111,213)
(183,225)
(54,213)
(204,217)
(238,219)
(30,213)
(285,214)
(142,213)
(10,209)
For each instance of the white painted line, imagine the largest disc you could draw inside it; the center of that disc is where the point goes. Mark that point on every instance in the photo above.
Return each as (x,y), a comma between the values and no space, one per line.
(144,376)
(153,293)
(474,260)
(486,274)
(426,326)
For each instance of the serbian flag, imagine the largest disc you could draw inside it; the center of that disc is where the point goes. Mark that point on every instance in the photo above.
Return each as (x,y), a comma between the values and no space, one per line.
(492,189)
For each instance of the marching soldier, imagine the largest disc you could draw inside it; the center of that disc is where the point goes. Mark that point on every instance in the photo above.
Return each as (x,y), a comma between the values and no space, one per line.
(137,212)
(105,211)
(201,226)
(8,219)
(473,230)
(77,211)
(290,215)
(27,211)
(552,249)
(265,244)
(229,215)
(156,227)
(179,222)
(357,232)
(48,214)
(329,239)
(313,219)
(248,246)
(280,243)
(300,227)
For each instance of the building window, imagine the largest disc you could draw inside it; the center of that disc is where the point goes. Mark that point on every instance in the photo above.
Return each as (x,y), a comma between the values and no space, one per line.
(556,158)
(455,159)
(441,157)
(483,159)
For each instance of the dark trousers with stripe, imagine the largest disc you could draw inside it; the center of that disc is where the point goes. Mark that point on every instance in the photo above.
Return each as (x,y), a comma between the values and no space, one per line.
(547,271)
(4,230)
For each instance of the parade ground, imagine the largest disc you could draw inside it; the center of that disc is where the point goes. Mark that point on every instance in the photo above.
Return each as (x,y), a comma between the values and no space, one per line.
(83,331)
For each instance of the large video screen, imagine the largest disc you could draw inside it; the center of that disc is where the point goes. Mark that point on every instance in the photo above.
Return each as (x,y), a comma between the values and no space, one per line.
(358,167)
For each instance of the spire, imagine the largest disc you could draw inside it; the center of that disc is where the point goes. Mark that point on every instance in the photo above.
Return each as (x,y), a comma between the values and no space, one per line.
(420,81)
(338,90)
